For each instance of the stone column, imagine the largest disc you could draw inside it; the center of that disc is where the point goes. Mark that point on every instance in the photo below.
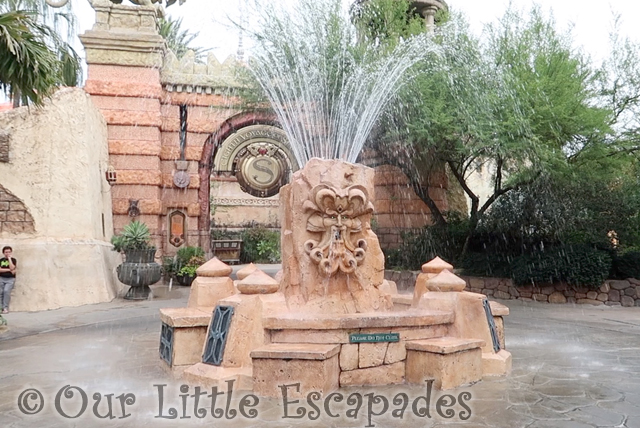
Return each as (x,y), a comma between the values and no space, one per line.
(430,17)
(124,54)
(428,9)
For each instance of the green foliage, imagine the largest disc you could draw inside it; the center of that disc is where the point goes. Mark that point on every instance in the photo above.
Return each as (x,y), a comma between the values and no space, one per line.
(386,22)
(420,246)
(134,236)
(486,263)
(519,103)
(34,58)
(260,245)
(169,267)
(627,264)
(186,254)
(189,269)
(27,65)
(579,266)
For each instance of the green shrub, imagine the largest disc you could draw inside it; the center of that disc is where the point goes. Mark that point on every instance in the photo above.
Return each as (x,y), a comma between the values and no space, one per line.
(486,264)
(134,236)
(627,265)
(192,265)
(260,245)
(421,245)
(580,266)
(185,254)
(169,267)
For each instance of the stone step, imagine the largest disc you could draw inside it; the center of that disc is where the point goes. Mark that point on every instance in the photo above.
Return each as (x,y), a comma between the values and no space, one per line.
(449,361)
(207,375)
(296,351)
(183,335)
(444,345)
(314,366)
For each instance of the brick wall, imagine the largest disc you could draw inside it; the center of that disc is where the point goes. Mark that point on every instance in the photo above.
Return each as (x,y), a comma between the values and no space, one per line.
(14,215)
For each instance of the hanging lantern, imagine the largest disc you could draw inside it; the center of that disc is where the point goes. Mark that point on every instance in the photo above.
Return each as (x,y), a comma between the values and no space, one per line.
(112,176)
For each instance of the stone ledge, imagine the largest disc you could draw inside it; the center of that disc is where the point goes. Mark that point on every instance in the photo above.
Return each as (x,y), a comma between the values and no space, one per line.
(208,375)
(444,345)
(296,351)
(185,317)
(409,318)
(498,309)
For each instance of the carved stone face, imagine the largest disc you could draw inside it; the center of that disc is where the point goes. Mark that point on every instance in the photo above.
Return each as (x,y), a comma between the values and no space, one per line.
(336,216)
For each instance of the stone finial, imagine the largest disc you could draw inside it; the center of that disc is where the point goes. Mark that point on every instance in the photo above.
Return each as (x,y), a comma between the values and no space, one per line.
(446,281)
(246,271)
(214,268)
(436,265)
(258,282)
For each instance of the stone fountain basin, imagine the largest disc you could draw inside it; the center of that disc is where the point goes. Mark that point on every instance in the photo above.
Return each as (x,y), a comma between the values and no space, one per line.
(336,328)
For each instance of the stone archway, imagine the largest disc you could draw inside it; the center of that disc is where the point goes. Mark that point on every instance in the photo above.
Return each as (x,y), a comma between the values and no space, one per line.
(211,151)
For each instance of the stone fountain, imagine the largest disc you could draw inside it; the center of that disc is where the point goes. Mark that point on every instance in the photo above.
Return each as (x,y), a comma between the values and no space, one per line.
(330,319)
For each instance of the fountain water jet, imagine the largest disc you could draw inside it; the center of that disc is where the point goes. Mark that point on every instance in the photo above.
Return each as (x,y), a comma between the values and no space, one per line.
(325,87)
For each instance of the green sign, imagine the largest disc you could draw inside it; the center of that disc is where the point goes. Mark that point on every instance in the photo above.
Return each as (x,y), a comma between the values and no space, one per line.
(374,337)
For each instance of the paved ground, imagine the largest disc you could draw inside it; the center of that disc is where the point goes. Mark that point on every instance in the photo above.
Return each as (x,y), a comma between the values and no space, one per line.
(574,366)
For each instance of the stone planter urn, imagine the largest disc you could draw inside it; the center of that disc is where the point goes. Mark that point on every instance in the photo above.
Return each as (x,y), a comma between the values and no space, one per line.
(139,270)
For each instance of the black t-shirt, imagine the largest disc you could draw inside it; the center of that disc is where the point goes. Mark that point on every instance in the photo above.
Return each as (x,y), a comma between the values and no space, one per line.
(4,263)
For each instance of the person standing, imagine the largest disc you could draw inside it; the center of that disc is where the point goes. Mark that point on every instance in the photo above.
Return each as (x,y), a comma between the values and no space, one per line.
(7,277)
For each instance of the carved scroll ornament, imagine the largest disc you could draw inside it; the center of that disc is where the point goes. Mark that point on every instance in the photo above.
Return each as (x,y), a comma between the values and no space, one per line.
(335,215)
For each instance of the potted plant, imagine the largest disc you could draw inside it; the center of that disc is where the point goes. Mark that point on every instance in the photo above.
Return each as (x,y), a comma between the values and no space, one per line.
(139,270)
(187,273)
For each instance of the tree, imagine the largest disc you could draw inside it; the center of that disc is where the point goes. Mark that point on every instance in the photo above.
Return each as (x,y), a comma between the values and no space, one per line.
(34,59)
(515,102)
(179,41)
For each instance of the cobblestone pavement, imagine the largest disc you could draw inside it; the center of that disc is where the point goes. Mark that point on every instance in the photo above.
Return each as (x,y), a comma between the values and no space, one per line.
(573,367)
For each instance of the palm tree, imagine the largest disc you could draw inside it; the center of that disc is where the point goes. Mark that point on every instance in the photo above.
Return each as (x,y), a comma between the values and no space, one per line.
(34,59)
(178,40)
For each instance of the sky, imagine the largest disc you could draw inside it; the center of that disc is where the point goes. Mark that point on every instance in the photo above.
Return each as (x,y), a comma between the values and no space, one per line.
(591,20)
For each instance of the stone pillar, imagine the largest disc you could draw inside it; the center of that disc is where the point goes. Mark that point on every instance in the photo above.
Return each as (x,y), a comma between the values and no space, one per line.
(124,54)
(428,9)
(430,17)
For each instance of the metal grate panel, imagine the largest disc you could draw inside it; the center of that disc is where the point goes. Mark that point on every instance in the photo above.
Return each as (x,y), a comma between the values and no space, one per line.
(492,326)
(166,343)
(217,337)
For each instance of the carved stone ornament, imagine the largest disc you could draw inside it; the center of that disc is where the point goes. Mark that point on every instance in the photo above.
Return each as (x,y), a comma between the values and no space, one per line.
(261,169)
(335,216)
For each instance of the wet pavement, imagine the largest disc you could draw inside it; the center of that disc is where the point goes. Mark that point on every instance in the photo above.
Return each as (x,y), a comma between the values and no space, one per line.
(573,366)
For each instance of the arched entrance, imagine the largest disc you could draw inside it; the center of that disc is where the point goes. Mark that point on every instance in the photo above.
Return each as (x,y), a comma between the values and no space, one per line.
(249,159)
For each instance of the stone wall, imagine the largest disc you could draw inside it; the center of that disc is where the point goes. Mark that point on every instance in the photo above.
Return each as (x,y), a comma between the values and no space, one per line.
(611,293)
(398,208)
(56,204)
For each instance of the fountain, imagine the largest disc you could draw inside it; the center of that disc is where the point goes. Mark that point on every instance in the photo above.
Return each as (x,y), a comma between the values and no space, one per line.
(330,319)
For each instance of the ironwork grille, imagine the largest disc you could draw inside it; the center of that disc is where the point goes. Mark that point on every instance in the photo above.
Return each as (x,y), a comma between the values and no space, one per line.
(166,343)
(217,337)
(492,326)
